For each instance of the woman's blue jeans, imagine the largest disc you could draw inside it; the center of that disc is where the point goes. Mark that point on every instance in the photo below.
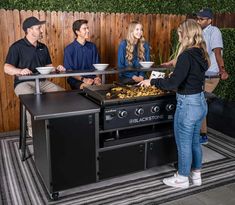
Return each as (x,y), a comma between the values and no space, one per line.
(190,111)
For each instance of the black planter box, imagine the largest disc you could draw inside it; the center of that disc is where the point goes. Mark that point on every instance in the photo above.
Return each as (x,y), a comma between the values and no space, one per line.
(221,116)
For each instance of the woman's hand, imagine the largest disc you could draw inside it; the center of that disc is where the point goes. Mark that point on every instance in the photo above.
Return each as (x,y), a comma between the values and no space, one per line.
(137,78)
(168,64)
(144,83)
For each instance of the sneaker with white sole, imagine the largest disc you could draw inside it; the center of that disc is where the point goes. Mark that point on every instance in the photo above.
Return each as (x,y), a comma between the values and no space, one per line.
(195,178)
(203,139)
(177,181)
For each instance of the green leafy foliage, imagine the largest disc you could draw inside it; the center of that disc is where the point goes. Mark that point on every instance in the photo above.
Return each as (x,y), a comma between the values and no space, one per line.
(174,44)
(226,88)
(121,6)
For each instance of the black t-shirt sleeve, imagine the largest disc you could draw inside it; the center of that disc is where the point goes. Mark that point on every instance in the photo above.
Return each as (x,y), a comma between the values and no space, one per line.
(179,74)
(13,56)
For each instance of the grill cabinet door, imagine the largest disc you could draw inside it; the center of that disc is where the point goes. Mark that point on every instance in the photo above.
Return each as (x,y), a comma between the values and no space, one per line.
(72,141)
(161,151)
(121,161)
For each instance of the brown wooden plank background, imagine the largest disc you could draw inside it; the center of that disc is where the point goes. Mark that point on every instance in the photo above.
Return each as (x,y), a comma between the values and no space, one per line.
(106,31)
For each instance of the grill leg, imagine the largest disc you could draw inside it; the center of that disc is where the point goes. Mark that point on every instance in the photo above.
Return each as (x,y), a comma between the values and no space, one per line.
(22,141)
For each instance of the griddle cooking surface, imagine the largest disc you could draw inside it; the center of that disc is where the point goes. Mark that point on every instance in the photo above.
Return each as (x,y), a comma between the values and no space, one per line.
(99,94)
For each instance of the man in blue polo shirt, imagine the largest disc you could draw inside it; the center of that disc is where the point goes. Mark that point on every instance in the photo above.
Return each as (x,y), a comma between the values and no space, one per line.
(214,44)
(81,55)
(24,56)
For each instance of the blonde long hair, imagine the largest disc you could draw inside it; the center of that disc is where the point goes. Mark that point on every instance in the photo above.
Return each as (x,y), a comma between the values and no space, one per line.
(190,35)
(131,43)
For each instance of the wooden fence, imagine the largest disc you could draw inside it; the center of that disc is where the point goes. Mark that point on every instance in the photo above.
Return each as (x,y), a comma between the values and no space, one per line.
(106,31)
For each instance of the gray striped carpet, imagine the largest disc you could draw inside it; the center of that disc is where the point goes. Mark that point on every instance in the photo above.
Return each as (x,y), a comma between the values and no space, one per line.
(21,184)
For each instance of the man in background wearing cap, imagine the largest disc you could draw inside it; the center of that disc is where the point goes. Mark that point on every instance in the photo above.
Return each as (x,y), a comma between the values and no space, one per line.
(214,43)
(24,56)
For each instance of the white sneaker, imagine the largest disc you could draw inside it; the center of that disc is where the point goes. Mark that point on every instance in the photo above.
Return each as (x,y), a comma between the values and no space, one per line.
(195,178)
(177,181)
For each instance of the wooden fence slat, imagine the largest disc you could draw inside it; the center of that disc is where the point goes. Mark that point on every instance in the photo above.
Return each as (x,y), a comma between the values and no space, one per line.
(9,79)
(108,38)
(102,37)
(17,24)
(3,51)
(106,31)
(17,35)
(113,44)
(97,31)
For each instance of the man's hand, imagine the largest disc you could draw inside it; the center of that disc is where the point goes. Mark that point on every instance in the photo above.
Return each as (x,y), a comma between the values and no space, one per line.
(145,83)
(88,81)
(97,80)
(25,71)
(220,62)
(223,75)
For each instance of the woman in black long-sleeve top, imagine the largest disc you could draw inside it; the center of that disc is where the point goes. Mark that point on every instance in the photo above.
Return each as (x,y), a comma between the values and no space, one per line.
(187,79)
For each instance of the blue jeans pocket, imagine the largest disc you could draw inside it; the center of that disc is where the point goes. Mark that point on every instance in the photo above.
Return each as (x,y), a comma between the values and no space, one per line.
(191,108)
(194,112)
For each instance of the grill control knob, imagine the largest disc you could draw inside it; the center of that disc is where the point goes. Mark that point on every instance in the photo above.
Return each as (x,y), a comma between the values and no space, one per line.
(155,109)
(139,111)
(122,113)
(170,107)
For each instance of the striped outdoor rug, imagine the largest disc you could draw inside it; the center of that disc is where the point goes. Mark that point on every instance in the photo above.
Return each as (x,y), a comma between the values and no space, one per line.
(21,184)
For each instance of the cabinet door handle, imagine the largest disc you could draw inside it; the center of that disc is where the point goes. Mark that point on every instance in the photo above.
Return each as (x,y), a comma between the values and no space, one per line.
(151,146)
(141,148)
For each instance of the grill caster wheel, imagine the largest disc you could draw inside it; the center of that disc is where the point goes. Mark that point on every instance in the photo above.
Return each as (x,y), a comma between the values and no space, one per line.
(55,196)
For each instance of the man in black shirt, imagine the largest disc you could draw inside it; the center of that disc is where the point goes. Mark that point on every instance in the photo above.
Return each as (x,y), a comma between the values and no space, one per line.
(24,56)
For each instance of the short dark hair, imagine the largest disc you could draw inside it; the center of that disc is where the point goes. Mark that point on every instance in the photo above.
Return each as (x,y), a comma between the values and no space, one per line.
(77,25)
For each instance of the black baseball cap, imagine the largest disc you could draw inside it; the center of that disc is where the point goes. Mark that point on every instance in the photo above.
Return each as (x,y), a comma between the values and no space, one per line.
(206,12)
(31,21)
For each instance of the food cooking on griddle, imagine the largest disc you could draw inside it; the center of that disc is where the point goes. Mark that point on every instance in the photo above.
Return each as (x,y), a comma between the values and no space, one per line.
(117,89)
(130,92)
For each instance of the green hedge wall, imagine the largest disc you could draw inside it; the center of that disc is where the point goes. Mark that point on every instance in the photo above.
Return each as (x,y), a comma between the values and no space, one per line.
(226,88)
(121,6)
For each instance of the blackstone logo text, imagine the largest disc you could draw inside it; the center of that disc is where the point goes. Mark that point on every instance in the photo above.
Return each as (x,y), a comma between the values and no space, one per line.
(145,119)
